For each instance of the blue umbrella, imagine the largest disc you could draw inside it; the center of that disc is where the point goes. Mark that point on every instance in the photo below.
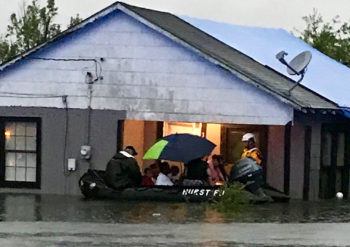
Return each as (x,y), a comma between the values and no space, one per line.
(180,147)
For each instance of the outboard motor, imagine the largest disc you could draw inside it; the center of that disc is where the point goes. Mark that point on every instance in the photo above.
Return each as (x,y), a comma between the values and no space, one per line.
(247,172)
(91,182)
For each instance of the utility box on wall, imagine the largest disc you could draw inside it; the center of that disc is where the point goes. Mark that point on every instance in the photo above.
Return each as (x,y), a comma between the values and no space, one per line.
(72,165)
(85,152)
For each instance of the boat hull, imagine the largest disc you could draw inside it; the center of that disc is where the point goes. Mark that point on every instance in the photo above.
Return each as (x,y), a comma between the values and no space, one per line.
(92,185)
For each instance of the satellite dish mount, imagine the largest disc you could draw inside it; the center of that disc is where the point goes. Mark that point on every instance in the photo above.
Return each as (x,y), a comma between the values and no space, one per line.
(297,66)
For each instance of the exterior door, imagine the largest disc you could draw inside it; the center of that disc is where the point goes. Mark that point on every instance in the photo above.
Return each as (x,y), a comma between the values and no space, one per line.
(231,140)
(334,170)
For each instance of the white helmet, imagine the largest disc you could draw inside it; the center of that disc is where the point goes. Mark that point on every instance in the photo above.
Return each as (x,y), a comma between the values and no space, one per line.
(247,136)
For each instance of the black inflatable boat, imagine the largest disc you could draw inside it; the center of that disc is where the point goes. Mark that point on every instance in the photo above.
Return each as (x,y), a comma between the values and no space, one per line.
(92,185)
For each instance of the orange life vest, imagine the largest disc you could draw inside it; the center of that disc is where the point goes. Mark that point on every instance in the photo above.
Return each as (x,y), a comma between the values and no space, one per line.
(253,153)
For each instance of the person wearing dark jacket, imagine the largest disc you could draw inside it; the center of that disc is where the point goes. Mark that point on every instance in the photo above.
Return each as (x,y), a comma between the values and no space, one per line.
(196,172)
(122,170)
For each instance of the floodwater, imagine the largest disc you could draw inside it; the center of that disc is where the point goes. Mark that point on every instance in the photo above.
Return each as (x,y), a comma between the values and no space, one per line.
(26,207)
(49,220)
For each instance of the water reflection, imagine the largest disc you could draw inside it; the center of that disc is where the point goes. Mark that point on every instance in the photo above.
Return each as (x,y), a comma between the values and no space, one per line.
(20,207)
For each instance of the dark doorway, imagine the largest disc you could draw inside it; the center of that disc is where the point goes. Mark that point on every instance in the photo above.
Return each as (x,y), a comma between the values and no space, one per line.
(334,171)
(231,141)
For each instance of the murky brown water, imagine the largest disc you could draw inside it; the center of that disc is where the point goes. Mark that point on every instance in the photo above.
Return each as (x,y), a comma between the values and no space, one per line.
(48,220)
(18,207)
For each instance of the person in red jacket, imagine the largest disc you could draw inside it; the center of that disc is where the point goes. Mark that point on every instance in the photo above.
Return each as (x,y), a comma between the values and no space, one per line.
(147,178)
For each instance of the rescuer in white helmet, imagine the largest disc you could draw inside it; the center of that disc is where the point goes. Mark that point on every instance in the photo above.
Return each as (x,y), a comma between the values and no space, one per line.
(250,150)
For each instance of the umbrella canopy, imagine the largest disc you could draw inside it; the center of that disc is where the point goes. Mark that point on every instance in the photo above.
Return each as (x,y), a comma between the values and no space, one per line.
(180,147)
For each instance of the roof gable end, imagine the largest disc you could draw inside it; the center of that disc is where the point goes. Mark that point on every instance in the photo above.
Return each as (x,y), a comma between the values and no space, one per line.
(208,47)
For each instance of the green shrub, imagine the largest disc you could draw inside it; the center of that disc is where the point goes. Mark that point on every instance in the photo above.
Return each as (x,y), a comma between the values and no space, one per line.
(232,200)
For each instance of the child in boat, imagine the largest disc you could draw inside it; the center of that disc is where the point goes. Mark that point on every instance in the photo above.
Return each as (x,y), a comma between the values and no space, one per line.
(147,178)
(162,178)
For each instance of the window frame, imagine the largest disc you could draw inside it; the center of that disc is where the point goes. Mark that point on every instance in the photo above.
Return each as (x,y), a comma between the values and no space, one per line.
(20,184)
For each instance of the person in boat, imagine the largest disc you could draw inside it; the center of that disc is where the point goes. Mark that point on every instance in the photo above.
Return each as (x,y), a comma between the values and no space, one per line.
(155,169)
(250,149)
(196,172)
(147,178)
(174,174)
(162,178)
(222,167)
(216,175)
(122,170)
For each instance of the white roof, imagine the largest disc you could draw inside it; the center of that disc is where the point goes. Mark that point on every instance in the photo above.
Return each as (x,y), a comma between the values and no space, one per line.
(324,75)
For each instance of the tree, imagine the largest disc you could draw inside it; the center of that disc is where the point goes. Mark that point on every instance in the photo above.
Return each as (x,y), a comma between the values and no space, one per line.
(331,38)
(7,49)
(35,25)
(74,21)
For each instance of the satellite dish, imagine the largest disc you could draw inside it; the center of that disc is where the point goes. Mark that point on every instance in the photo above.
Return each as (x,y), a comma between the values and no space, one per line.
(297,66)
(299,63)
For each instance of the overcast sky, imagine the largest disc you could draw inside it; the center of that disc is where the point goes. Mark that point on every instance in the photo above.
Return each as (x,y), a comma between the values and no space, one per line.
(286,14)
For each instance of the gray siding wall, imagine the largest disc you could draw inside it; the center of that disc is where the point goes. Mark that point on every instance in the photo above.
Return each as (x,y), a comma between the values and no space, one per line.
(275,157)
(104,124)
(297,149)
(144,73)
(275,162)
(315,160)
(298,156)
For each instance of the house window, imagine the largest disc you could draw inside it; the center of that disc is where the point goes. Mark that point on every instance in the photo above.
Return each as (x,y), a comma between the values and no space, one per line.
(20,162)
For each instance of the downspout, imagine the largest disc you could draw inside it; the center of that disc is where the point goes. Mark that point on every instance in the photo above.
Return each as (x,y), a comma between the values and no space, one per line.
(89,109)
(86,149)
(90,81)
(66,136)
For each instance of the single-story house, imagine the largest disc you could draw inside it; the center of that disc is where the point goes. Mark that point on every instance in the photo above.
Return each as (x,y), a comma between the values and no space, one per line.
(129,75)
(324,76)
